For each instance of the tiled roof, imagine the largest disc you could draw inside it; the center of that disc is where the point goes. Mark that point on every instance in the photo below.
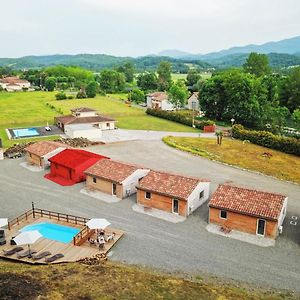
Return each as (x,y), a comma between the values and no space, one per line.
(82,109)
(44,147)
(158,96)
(248,201)
(13,80)
(112,170)
(172,185)
(66,120)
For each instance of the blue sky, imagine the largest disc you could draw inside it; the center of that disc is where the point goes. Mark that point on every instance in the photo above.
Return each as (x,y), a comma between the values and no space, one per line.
(140,27)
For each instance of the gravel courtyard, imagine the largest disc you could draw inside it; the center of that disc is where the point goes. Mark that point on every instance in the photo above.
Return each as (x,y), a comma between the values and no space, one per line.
(185,247)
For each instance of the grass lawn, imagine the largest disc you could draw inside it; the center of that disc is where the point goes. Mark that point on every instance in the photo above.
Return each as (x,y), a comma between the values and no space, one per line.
(113,281)
(177,76)
(30,109)
(249,156)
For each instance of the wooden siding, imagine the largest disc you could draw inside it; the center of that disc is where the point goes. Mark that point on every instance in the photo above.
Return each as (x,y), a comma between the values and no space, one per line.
(34,159)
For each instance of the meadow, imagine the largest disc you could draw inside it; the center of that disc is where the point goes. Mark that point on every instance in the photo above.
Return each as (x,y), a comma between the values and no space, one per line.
(25,109)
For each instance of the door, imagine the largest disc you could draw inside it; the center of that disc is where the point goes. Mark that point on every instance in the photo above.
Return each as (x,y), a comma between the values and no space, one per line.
(175,206)
(261,227)
(114,189)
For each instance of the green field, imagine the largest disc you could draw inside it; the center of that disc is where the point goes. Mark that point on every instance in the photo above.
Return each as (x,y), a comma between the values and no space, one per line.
(38,108)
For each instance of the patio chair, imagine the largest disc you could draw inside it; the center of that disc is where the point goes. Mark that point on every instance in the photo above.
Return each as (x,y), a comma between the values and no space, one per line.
(2,237)
(54,258)
(26,253)
(41,255)
(12,251)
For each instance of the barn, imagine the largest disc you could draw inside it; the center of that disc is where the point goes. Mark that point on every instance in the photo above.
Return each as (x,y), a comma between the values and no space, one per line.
(68,166)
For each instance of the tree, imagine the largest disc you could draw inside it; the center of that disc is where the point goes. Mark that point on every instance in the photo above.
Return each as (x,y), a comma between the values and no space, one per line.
(91,89)
(164,76)
(111,81)
(50,84)
(128,70)
(257,64)
(61,96)
(178,94)
(192,78)
(81,94)
(296,116)
(137,96)
(290,90)
(147,81)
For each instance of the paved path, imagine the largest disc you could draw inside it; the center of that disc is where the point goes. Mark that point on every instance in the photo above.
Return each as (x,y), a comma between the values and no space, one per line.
(185,246)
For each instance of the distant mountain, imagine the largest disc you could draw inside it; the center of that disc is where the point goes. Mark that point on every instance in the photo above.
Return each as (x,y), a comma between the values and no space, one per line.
(174,53)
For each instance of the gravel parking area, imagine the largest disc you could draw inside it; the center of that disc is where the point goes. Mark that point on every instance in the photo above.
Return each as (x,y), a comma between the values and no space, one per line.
(186,246)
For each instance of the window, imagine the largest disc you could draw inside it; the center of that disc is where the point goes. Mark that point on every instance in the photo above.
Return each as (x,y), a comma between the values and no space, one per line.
(94,179)
(201,195)
(107,124)
(261,226)
(223,214)
(147,195)
(175,206)
(114,189)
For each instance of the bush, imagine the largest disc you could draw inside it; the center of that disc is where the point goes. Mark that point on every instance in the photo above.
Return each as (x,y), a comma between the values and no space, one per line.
(70,97)
(267,139)
(61,96)
(137,96)
(178,118)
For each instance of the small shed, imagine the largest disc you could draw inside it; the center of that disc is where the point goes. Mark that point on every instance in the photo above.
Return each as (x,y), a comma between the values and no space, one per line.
(248,210)
(68,166)
(172,193)
(39,153)
(114,178)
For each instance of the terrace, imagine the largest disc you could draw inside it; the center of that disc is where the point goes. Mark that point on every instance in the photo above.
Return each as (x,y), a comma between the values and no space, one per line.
(79,248)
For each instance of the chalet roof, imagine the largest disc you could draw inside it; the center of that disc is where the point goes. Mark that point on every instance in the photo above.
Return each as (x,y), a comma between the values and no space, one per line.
(195,94)
(70,119)
(44,147)
(158,96)
(13,80)
(82,109)
(112,170)
(248,201)
(74,158)
(172,185)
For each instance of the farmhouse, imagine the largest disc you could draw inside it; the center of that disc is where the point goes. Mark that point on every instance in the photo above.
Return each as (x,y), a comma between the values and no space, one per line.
(14,83)
(68,166)
(39,153)
(193,102)
(114,178)
(248,210)
(172,193)
(159,100)
(84,122)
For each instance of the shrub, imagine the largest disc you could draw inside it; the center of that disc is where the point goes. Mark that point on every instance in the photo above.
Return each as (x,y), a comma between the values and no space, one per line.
(61,96)
(178,118)
(267,139)
(70,97)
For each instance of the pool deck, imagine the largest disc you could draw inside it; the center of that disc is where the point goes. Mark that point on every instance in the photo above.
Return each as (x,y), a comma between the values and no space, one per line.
(71,252)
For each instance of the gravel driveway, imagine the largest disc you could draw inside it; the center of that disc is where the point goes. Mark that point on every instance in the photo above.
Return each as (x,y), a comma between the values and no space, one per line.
(187,246)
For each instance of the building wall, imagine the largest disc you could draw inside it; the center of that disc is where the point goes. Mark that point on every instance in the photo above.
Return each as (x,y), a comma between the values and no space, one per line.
(131,182)
(166,105)
(103,185)
(85,114)
(34,159)
(241,222)
(149,101)
(160,202)
(92,133)
(194,200)
(192,100)
(109,125)
(46,162)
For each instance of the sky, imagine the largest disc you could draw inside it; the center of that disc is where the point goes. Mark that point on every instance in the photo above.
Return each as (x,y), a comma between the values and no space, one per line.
(141,27)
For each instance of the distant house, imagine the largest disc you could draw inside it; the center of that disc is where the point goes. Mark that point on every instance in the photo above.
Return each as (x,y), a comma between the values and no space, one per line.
(14,84)
(114,178)
(172,193)
(159,100)
(68,166)
(193,102)
(248,210)
(39,153)
(84,122)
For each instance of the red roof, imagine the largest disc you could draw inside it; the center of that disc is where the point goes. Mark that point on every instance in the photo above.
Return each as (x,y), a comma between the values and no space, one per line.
(248,201)
(44,147)
(112,170)
(75,158)
(70,119)
(172,185)
(82,109)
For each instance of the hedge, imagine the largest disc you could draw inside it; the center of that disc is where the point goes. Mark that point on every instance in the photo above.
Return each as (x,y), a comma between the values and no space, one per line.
(267,139)
(178,118)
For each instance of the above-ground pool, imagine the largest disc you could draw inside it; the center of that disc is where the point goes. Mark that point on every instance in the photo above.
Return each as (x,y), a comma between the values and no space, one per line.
(25,132)
(60,233)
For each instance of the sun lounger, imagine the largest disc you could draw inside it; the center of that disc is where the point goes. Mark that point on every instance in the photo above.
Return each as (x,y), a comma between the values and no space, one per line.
(54,258)
(12,251)
(41,255)
(26,253)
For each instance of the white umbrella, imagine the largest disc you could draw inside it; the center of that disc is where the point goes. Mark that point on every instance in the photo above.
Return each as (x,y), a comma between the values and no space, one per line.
(97,223)
(3,222)
(27,238)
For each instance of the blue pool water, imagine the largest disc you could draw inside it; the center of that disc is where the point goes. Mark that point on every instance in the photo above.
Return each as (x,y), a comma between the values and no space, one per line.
(25,132)
(60,233)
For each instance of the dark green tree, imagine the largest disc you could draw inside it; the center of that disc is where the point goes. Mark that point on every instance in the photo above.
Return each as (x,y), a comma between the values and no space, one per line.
(91,89)
(128,70)
(111,81)
(257,64)
(50,84)
(178,94)
(192,78)
(164,76)
(137,96)
(147,81)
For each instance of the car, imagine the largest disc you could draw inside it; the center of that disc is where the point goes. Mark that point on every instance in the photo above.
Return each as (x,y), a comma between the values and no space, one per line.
(47,128)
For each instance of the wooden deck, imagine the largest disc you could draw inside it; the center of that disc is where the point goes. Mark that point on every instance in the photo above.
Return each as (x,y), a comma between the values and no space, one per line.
(71,253)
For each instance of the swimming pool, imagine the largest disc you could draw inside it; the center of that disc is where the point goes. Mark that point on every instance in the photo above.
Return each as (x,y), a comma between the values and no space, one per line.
(60,233)
(25,132)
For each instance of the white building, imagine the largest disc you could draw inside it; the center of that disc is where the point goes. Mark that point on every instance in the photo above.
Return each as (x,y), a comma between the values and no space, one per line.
(159,100)
(14,84)
(193,102)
